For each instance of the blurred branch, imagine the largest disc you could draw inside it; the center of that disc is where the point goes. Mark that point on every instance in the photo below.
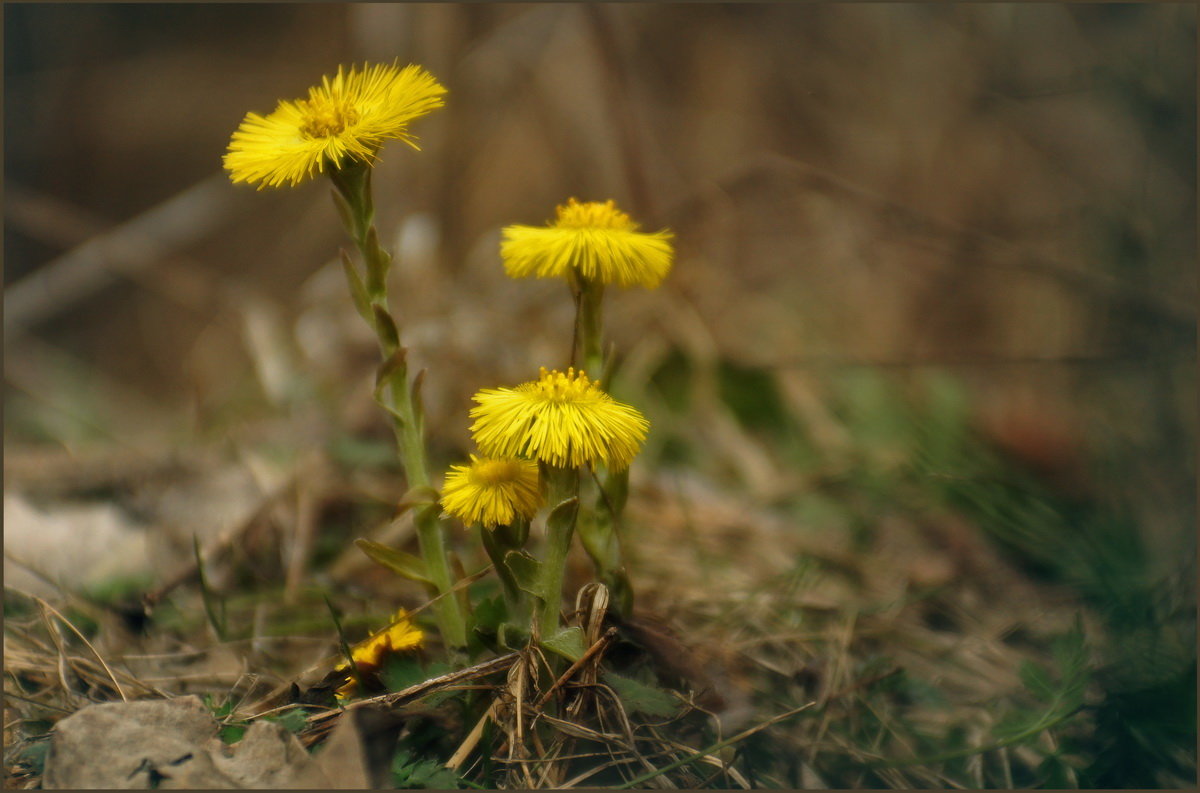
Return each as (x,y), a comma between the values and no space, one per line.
(970,359)
(1178,316)
(137,244)
(621,109)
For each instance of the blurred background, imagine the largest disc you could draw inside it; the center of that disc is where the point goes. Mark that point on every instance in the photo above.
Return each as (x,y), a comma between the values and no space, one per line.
(931,324)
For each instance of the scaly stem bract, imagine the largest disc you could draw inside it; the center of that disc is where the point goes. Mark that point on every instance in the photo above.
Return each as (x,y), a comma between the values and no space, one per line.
(352,196)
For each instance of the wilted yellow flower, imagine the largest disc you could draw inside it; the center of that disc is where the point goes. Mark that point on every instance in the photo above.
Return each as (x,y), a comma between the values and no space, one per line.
(346,117)
(492,492)
(561,419)
(370,653)
(596,239)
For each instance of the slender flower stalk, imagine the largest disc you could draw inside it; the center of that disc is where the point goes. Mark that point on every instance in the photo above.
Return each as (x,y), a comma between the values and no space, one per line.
(352,194)
(560,529)
(338,130)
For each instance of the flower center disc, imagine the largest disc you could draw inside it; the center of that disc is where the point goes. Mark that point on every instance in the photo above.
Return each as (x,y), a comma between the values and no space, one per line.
(327,119)
(570,387)
(496,472)
(591,214)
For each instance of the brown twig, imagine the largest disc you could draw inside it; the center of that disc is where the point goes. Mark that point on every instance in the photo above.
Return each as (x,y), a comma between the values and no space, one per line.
(604,641)
(420,689)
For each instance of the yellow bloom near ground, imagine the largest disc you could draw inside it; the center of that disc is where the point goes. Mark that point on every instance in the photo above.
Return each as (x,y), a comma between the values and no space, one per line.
(492,492)
(370,653)
(346,117)
(564,420)
(598,240)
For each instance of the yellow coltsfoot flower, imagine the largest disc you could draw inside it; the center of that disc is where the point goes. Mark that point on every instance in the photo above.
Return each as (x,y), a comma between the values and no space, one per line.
(492,492)
(595,239)
(346,117)
(370,653)
(564,420)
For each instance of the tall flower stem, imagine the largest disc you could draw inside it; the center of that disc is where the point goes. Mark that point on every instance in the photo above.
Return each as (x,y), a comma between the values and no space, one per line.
(589,325)
(497,542)
(356,207)
(598,527)
(560,528)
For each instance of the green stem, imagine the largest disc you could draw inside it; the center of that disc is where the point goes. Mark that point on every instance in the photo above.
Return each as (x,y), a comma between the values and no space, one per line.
(494,543)
(560,528)
(598,528)
(589,296)
(352,196)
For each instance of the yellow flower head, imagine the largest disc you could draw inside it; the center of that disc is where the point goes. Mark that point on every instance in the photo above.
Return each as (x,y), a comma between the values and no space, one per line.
(346,117)
(561,419)
(370,653)
(492,492)
(596,239)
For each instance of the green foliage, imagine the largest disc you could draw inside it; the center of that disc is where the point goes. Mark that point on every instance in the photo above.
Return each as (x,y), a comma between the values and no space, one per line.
(1145,737)
(410,772)
(232,733)
(293,720)
(753,396)
(673,381)
(401,671)
(221,711)
(567,642)
(352,452)
(642,698)
(32,757)
(400,562)
(214,607)
(119,589)
(1057,694)
(526,571)
(488,615)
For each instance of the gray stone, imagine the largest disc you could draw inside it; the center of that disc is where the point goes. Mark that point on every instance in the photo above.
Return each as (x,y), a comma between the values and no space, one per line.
(131,745)
(174,744)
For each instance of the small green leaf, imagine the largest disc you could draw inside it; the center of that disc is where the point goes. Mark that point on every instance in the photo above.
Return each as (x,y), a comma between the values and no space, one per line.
(378,262)
(214,607)
(616,489)
(1037,681)
(567,642)
(409,772)
(396,366)
(419,496)
(402,671)
(489,614)
(385,326)
(33,756)
(526,570)
(293,720)
(562,516)
(232,733)
(399,562)
(358,292)
(641,698)
(344,211)
(418,408)
(512,635)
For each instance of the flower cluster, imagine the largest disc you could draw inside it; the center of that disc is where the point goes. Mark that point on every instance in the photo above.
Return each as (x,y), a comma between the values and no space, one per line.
(553,425)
